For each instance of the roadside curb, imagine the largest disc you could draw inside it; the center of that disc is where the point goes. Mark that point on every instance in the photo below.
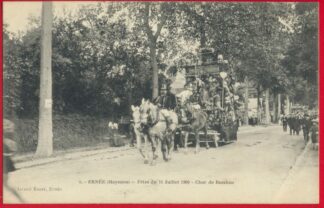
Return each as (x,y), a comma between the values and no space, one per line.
(292,172)
(70,156)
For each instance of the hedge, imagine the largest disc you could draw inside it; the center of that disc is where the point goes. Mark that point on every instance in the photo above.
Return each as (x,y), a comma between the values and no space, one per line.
(68,132)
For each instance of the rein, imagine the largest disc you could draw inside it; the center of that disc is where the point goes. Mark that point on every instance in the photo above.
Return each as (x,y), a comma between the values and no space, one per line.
(157,120)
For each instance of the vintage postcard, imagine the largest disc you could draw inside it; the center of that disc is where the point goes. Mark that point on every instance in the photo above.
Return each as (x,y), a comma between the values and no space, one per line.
(160,102)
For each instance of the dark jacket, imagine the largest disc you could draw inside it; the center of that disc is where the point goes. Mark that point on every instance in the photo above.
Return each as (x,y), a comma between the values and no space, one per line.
(314,133)
(284,120)
(167,101)
(297,123)
(290,121)
(306,124)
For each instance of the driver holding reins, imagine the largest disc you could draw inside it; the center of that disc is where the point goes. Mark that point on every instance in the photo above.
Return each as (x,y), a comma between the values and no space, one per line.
(167,100)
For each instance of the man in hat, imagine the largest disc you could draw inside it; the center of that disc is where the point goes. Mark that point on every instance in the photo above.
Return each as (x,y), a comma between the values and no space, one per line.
(314,133)
(306,125)
(167,100)
(298,123)
(284,122)
(291,123)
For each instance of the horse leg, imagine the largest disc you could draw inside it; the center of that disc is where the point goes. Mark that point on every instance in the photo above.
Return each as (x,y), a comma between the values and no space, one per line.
(139,144)
(177,140)
(146,151)
(164,148)
(197,141)
(181,143)
(154,146)
(186,142)
(139,147)
(216,138)
(205,131)
(170,145)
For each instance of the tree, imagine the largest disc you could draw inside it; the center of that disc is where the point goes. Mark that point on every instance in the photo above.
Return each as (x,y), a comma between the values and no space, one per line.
(98,51)
(160,14)
(11,74)
(261,48)
(45,135)
(301,58)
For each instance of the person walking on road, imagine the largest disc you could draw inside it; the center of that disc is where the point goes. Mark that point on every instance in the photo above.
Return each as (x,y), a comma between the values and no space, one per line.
(306,126)
(284,122)
(314,133)
(290,121)
(298,124)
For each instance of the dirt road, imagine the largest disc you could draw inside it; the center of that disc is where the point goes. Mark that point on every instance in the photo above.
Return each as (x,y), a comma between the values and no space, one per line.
(252,170)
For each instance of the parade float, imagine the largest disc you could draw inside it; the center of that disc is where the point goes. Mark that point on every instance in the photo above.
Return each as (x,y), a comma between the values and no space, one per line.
(212,83)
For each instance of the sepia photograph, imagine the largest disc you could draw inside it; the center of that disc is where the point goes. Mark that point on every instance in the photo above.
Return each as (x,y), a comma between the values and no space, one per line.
(160,102)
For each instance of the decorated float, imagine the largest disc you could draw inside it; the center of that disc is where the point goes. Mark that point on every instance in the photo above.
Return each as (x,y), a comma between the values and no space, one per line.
(210,83)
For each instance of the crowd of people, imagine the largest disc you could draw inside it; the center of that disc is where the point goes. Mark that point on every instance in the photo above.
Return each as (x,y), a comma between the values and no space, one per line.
(305,122)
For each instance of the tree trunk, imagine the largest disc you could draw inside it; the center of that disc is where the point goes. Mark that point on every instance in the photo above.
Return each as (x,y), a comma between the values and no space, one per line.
(259,106)
(274,108)
(308,100)
(287,105)
(130,100)
(202,29)
(152,39)
(279,106)
(246,101)
(155,78)
(45,133)
(267,109)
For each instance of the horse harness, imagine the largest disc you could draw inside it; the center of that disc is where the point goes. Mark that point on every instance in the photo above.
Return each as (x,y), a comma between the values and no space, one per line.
(157,120)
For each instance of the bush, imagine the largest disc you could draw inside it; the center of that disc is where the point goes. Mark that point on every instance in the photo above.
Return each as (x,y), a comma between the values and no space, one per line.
(68,132)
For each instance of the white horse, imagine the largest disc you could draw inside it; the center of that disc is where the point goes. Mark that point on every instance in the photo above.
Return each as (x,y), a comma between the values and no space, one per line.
(160,125)
(140,136)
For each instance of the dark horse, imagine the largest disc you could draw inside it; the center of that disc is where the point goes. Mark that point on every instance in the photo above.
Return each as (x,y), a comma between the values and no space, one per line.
(197,122)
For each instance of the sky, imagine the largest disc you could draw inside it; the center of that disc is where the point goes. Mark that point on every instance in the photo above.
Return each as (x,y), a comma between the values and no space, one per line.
(16,14)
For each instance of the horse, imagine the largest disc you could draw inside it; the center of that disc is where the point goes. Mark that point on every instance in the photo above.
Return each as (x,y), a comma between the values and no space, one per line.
(197,123)
(198,120)
(139,135)
(159,124)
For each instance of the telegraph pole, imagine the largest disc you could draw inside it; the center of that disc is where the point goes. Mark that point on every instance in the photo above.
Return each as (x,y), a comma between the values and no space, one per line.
(45,126)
